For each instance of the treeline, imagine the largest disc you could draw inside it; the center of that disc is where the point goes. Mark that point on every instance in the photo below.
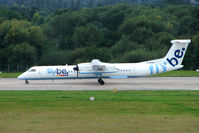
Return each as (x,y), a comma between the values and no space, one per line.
(78,4)
(119,33)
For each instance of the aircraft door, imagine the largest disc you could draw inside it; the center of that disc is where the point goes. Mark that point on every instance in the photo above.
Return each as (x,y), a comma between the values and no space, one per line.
(133,70)
(42,73)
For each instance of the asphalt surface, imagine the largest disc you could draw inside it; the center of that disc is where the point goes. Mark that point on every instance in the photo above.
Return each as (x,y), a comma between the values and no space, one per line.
(145,83)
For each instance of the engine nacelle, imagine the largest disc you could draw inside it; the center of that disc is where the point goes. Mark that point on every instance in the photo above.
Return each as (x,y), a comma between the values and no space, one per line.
(85,67)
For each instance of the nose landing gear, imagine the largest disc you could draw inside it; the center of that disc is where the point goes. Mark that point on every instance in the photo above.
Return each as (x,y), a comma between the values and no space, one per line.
(26,82)
(100,81)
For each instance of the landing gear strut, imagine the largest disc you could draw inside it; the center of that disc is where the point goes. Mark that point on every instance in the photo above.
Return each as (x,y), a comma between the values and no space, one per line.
(27,82)
(100,81)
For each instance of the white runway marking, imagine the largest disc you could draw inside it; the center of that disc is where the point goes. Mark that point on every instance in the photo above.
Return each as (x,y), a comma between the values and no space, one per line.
(146,83)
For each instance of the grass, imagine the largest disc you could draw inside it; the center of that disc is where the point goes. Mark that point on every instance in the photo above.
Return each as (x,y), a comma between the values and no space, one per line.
(124,111)
(9,75)
(179,73)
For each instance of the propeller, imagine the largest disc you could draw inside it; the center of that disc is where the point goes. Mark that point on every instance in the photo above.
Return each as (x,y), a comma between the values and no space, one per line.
(76,68)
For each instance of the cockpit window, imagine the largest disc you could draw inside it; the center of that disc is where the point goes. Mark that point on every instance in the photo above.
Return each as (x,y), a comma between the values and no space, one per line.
(32,70)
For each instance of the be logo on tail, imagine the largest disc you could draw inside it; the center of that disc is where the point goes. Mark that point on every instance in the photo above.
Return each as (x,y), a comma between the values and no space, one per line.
(178,54)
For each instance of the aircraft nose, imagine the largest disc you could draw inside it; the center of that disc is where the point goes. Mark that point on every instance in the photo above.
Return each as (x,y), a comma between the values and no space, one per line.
(21,76)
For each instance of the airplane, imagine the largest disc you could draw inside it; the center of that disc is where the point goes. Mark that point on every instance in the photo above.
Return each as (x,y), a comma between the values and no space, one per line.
(100,70)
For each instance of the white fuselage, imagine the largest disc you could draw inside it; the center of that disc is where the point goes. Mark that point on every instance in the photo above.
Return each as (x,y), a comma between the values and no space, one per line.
(123,70)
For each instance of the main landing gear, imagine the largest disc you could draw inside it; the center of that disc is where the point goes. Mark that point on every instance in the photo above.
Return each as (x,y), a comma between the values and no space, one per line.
(100,81)
(26,82)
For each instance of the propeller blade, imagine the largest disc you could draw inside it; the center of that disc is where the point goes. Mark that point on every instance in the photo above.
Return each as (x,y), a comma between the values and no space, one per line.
(76,69)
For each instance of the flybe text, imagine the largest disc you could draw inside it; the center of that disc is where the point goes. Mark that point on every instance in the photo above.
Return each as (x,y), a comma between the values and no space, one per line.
(177,55)
(57,72)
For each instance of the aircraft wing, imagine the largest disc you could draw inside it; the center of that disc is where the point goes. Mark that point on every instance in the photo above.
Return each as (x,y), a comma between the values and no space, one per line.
(96,67)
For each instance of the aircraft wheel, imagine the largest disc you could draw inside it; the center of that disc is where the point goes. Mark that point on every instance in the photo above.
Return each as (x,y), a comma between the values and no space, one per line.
(27,82)
(100,81)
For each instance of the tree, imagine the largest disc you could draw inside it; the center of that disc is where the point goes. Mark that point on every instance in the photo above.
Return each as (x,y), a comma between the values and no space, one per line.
(17,36)
(89,35)
(36,18)
(138,56)
(55,57)
(4,54)
(138,28)
(196,49)
(36,38)
(122,46)
(65,42)
(17,32)
(65,23)
(113,17)
(21,54)
(10,14)
(94,52)
(4,28)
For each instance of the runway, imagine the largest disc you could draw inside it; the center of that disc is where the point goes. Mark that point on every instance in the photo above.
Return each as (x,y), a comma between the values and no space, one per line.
(145,83)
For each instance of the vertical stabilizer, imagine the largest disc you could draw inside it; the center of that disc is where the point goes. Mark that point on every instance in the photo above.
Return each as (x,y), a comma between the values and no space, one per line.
(176,53)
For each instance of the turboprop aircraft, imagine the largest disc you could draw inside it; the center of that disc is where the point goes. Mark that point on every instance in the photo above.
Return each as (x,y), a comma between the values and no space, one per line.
(99,70)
